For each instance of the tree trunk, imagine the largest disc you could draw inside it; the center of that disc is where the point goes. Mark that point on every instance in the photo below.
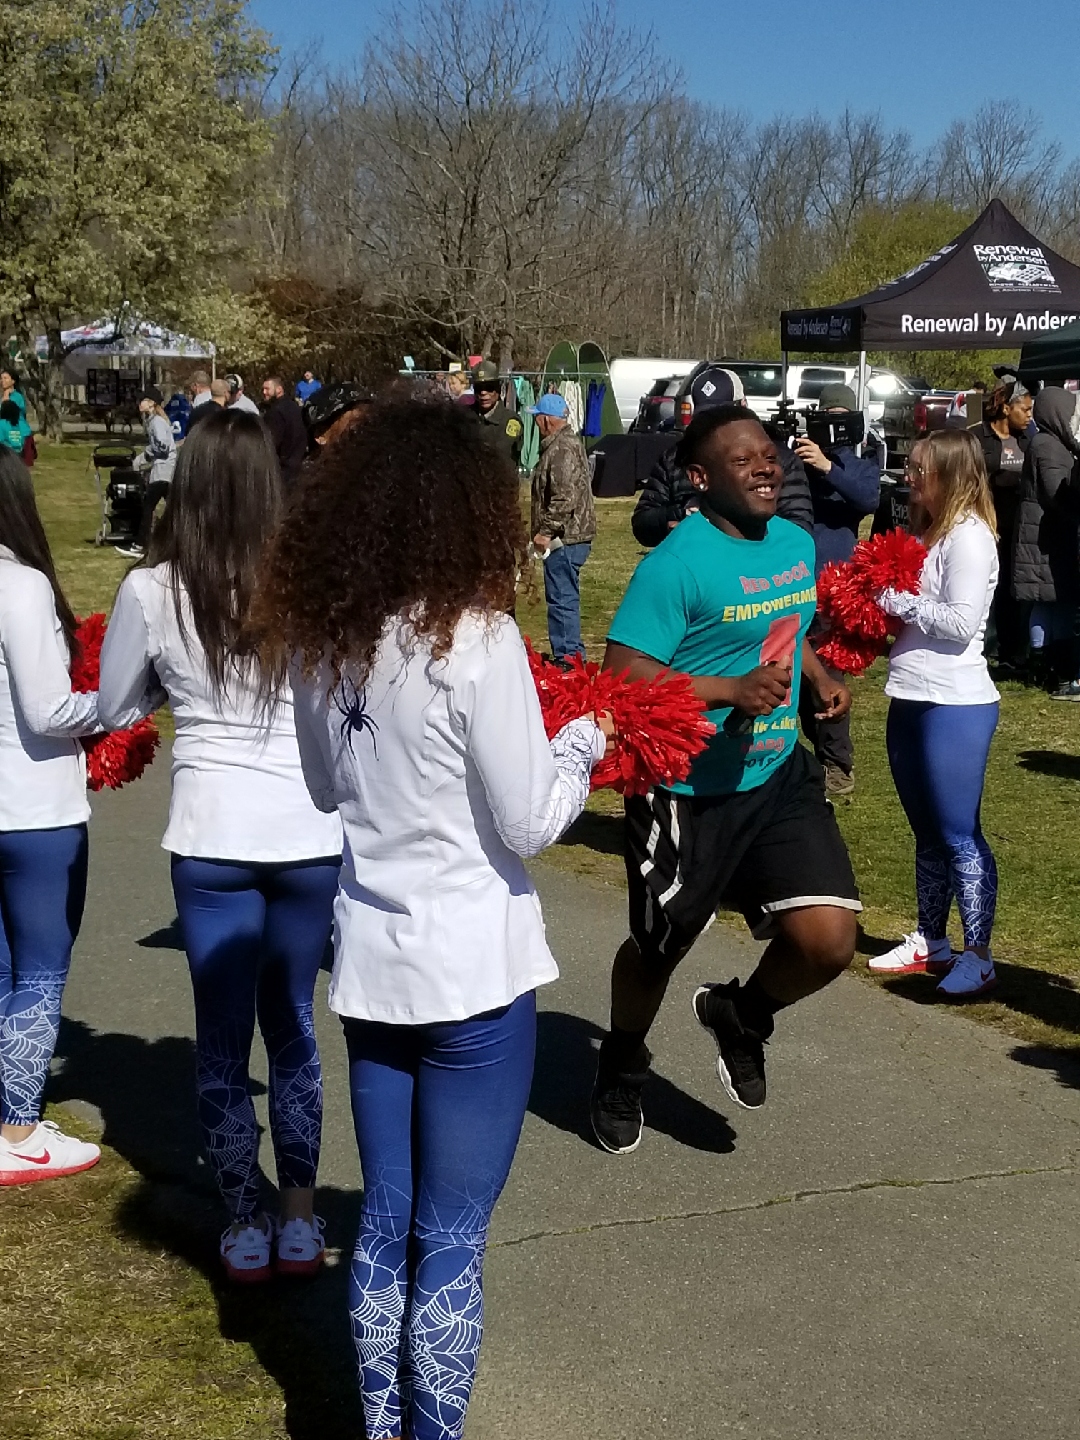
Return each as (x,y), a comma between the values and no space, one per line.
(44,380)
(506,354)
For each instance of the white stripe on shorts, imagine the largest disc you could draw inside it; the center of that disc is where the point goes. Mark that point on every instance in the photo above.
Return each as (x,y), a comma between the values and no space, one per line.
(676,884)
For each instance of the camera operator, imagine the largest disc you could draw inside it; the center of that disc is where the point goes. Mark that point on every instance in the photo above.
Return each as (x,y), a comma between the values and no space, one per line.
(844,488)
(669,497)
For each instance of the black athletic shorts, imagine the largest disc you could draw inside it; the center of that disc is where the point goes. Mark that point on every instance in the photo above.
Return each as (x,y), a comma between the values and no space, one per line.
(760,851)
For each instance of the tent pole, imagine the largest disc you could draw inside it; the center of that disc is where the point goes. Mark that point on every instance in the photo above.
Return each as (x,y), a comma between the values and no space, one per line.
(863,397)
(783,378)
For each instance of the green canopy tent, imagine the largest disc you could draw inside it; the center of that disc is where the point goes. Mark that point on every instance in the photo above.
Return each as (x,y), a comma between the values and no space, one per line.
(1054,359)
(583,362)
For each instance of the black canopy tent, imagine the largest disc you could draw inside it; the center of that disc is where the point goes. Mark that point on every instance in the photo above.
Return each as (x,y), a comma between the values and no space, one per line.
(992,288)
(1052,359)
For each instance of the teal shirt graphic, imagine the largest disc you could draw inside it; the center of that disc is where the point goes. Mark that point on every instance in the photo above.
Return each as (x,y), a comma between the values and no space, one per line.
(706,603)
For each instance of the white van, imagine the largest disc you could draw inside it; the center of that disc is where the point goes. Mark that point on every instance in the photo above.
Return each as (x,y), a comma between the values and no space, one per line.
(762,382)
(633,378)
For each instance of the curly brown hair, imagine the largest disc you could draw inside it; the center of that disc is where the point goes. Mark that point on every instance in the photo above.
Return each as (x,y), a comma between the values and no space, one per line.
(414,514)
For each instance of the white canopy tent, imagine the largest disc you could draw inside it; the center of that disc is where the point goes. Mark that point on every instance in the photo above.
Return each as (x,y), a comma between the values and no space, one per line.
(130,341)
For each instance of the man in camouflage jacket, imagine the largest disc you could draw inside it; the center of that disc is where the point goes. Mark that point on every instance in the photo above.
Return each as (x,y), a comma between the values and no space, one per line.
(563,523)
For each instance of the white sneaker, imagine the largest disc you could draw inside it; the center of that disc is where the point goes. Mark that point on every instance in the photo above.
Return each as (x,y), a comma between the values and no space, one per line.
(913,956)
(300,1247)
(45,1154)
(245,1253)
(969,977)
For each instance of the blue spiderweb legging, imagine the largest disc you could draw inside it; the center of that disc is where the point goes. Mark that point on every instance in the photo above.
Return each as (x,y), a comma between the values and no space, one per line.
(438,1112)
(938,756)
(254,936)
(42,892)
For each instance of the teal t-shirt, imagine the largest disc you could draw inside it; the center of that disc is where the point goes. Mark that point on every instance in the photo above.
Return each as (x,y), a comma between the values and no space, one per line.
(706,603)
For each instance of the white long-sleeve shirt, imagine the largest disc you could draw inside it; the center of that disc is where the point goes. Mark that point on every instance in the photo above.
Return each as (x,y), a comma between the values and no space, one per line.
(42,764)
(445,780)
(238,791)
(938,655)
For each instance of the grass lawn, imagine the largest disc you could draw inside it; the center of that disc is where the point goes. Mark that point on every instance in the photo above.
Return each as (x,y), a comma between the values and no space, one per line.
(1033,784)
(113,1336)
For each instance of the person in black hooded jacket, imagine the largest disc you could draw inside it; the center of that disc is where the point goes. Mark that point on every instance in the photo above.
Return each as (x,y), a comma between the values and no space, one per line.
(1046,553)
(668,495)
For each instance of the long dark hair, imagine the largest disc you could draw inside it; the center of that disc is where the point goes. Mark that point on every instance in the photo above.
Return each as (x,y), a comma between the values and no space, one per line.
(225,500)
(411,513)
(22,532)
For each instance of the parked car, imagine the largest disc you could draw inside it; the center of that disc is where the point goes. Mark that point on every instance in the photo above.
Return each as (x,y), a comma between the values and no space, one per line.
(656,410)
(890,405)
(909,416)
(762,382)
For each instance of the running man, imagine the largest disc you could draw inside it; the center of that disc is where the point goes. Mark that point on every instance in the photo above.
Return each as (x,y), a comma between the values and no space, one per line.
(727,598)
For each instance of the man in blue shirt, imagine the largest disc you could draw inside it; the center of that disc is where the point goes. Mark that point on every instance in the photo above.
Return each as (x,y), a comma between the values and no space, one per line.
(727,598)
(307,387)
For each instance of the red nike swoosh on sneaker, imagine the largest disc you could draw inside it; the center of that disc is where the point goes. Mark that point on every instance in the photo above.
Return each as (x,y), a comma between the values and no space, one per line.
(37,1159)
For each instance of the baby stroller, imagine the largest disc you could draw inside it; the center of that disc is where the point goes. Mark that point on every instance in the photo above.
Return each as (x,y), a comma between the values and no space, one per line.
(120,490)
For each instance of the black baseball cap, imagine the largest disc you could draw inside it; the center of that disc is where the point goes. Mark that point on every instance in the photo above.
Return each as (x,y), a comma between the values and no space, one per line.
(331,402)
(715,386)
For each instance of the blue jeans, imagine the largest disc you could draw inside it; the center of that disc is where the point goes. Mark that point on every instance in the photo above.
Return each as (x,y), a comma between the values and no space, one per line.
(1053,623)
(562,590)
(254,936)
(938,754)
(42,892)
(438,1112)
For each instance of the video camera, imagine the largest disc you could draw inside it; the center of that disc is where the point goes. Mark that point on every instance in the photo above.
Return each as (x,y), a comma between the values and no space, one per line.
(829,429)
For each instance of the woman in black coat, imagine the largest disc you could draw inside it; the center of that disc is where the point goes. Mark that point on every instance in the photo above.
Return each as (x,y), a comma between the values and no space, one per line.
(1003,435)
(1046,557)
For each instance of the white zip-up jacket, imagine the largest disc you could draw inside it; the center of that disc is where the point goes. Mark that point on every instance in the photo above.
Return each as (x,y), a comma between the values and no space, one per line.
(444,780)
(938,655)
(42,764)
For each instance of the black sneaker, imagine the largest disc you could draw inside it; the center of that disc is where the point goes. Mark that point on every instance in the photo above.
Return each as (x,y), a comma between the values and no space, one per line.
(740,1052)
(615,1107)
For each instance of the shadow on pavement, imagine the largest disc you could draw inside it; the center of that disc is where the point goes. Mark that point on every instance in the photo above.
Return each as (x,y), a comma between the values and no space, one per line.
(1062,1059)
(299,1332)
(566,1048)
(167,938)
(1051,762)
(602,833)
(1053,999)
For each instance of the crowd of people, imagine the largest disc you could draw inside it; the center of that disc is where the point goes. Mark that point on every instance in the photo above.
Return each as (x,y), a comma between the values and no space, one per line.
(359,749)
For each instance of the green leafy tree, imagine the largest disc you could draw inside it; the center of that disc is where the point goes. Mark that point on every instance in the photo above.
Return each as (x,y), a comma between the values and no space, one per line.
(886,244)
(131,146)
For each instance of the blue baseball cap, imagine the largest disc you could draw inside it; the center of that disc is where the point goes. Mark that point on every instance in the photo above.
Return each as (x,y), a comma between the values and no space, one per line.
(553,405)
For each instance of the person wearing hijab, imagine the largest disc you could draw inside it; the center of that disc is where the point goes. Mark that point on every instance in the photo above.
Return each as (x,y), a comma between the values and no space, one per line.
(1046,562)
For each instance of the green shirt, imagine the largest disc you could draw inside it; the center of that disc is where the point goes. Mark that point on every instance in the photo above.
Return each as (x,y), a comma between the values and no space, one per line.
(706,603)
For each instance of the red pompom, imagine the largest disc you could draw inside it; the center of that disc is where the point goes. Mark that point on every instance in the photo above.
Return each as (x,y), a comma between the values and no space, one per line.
(117,758)
(858,630)
(660,724)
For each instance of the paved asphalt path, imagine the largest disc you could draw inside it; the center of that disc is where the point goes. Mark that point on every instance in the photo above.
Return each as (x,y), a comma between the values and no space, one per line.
(889,1248)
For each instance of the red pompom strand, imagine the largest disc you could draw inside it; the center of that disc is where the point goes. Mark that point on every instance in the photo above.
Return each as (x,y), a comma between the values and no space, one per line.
(660,724)
(858,629)
(121,756)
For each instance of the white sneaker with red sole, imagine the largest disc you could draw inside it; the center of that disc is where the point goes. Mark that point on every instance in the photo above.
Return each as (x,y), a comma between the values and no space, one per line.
(969,977)
(913,956)
(245,1252)
(46,1154)
(300,1247)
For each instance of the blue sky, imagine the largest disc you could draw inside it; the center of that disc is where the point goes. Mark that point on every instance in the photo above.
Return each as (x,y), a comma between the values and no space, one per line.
(920,64)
